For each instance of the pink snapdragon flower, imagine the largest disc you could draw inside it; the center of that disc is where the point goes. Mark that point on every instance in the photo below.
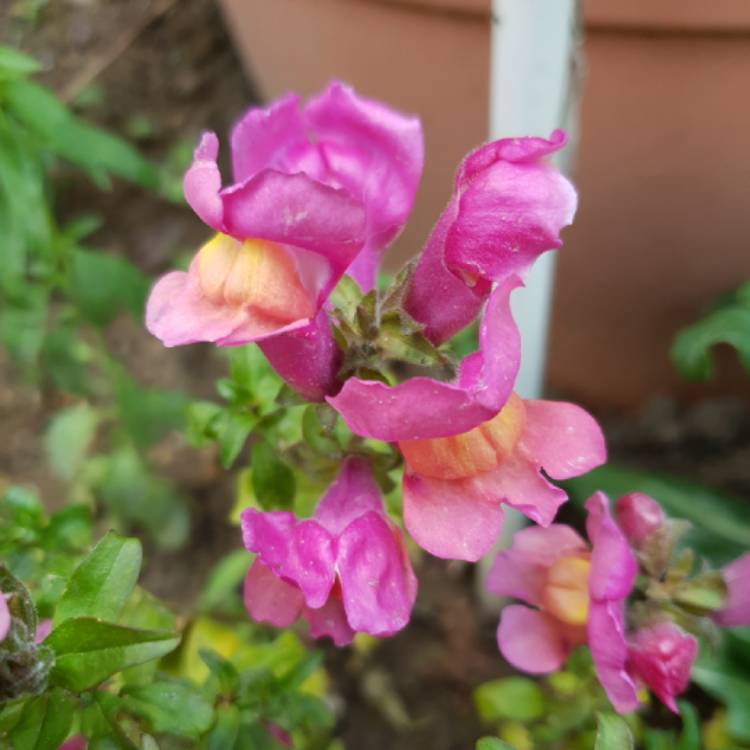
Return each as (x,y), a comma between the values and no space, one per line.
(662,656)
(455,487)
(5,619)
(638,516)
(577,595)
(345,570)
(314,188)
(509,205)
(736,610)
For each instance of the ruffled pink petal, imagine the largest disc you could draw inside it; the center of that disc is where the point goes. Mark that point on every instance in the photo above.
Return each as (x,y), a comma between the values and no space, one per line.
(609,650)
(422,407)
(5,619)
(455,520)
(377,154)
(377,581)
(736,611)
(298,551)
(662,655)
(512,207)
(531,640)
(352,494)
(177,312)
(519,483)
(460,302)
(562,438)
(202,183)
(308,358)
(265,137)
(613,565)
(521,571)
(330,620)
(269,598)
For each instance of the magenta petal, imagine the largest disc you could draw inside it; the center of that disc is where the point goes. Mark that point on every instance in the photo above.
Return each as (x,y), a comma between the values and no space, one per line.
(5,619)
(299,551)
(609,650)
(202,183)
(270,599)
(613,565)
(736,611)
(74,743)
(521,571)
(455,520)
(353,493)
(531,640)
(512,206)
(519,484)
(422,407)
(177,313)
(377,581)
(662,655)
(330,620)
(307,358)
(562,438)
(264,137)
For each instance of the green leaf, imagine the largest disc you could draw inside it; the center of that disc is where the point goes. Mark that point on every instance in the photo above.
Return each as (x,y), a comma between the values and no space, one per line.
(103,581)
(45,721)
(170,707)
(719,535)
(69,437)
(224,580)
(233,429)
(690,738)
(94,150)
(89,651)
(613,733)
(273,481)
(515,698)
(224,734)
(103,285)
(727,324)
(14,62)
(492,743)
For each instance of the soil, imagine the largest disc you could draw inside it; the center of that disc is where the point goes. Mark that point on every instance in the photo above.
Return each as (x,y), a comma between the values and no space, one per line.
(160,71)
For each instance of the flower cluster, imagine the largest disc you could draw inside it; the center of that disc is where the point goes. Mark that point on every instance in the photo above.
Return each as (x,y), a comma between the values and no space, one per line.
(319,193)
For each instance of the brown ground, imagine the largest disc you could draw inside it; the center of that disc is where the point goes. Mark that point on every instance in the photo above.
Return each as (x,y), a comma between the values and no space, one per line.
(161,71)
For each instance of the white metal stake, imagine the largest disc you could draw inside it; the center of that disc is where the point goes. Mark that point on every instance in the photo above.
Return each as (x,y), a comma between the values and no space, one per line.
(532,87)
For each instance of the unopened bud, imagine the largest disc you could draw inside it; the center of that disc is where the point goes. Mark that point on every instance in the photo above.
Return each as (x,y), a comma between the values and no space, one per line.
(638,516)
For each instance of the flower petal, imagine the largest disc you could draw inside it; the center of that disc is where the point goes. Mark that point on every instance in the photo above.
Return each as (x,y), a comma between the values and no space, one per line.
(269,598)
(613,565)
(562,438)
(512,206)
(422,407)
(521,571)
(531,640)
(352,494)
(736,611)
(455,520)
(202,183)
(177,313)
(330,620)
(5,619)
(609,650)
(377,581)
(307,358)
(299,551)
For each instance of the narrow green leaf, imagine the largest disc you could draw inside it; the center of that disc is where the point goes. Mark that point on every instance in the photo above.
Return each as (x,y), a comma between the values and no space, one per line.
(69,437)
(89,651)
(226,730)
(613,733)
(493,743)
(515,698)
(273,481)
(690,738)
(170,707)
(15,62)
(103,581)
(45,721)
(224,580)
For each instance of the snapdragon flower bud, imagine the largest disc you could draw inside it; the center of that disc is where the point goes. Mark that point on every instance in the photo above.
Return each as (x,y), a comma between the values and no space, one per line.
(638,516)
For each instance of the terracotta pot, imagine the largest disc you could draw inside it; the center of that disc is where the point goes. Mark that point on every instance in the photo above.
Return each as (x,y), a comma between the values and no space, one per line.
(425,56)
(663,157)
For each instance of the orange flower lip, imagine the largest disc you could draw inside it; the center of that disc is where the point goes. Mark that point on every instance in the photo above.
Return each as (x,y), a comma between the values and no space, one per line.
(566,593)
(254,273)
(469,453)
